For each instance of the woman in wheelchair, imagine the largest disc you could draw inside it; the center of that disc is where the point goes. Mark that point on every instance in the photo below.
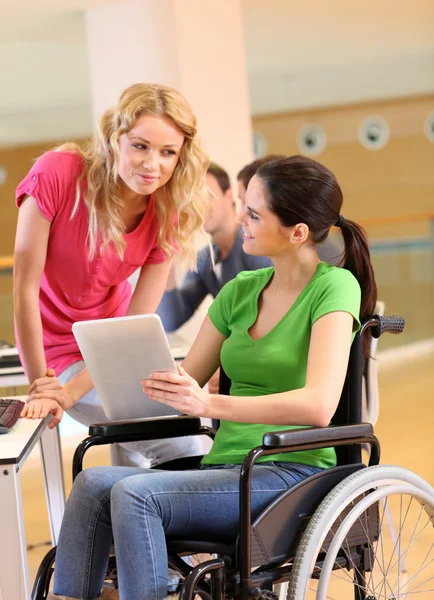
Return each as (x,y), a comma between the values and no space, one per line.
(283,336)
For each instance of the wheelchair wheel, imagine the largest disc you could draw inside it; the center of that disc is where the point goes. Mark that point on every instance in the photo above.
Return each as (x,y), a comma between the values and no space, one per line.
(371,538)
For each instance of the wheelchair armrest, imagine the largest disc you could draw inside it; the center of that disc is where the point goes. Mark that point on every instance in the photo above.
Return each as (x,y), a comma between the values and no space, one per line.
(292,440)
(315,435)
(152,429)
(135,431)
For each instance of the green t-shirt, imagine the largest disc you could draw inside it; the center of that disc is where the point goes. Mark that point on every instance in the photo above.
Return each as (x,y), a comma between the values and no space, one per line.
(277,362)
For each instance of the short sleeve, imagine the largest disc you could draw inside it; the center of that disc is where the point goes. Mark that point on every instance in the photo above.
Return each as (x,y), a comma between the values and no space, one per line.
(156,256)
(220,310)
(47,182)
(338,290)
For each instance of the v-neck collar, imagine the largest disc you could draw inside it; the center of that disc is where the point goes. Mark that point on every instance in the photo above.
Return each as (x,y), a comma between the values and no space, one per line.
(145,217)
(255,300)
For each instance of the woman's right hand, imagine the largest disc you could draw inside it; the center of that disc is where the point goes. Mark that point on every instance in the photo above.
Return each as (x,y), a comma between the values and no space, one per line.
(48,382)
(50,388)
(39,409)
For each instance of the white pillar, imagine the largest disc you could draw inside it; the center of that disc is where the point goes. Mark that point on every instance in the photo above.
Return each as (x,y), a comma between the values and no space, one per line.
(195,46)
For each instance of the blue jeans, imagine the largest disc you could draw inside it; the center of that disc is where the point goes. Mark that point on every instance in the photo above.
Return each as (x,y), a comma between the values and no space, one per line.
(139,507)
(151,453)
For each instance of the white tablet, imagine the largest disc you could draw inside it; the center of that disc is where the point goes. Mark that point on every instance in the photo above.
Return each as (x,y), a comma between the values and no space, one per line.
(119,353)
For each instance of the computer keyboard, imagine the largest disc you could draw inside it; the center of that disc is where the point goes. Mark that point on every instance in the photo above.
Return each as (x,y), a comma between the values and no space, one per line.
(10,410)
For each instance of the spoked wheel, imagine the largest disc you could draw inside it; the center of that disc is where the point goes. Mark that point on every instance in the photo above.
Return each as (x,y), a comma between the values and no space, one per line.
(372,538)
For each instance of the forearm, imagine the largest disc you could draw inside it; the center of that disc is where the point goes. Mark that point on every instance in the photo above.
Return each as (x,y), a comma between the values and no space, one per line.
(297,407)
(30,334)
(79,386)
(149,289)
(139,307)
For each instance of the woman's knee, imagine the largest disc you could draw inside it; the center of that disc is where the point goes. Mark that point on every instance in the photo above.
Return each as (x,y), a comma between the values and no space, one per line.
(124,493)
(92,483)
(133,495)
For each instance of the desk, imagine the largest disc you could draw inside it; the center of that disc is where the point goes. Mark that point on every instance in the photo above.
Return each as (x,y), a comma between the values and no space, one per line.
(12,377)
(51,456)
(15,447)
(178,345)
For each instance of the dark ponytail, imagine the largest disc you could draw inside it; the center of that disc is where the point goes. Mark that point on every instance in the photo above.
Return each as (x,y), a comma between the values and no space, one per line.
(301,190)
(357,259)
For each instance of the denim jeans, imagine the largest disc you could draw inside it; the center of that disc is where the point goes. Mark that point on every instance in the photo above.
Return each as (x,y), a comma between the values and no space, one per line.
(139,507)
(88,410)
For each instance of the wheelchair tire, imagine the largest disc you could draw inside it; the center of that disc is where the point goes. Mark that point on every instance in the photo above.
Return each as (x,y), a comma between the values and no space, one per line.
(343,567)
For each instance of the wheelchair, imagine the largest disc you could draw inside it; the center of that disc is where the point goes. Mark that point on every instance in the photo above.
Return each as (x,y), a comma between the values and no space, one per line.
(325,538)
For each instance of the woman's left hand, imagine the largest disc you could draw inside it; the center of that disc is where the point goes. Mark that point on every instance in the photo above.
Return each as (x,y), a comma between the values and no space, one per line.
(178,390)
(40,409)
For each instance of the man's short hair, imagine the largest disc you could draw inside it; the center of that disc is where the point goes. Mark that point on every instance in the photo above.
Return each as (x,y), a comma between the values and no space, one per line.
(249,170)
(221,176)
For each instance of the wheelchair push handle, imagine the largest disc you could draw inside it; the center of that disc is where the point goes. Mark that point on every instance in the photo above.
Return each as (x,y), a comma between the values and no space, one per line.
(380,325)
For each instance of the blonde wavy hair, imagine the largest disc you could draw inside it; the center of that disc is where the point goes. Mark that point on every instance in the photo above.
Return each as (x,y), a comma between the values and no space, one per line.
(183,197)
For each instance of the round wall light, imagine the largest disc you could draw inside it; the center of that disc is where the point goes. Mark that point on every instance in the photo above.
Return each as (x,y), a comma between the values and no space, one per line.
(3,175)
(260,144)
(374,133)
(311,139)
(428,127)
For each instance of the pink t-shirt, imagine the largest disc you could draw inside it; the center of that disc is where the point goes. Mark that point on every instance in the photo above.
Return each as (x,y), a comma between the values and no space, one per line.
(73,288)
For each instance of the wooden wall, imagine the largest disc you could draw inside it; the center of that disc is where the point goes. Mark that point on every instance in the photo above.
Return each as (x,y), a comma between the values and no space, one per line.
(17,162)
(396,180)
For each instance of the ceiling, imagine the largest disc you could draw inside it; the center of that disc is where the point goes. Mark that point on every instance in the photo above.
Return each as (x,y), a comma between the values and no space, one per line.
(299,55)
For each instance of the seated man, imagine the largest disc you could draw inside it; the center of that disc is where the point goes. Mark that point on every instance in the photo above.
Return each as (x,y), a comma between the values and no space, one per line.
(179,304)
(283,335)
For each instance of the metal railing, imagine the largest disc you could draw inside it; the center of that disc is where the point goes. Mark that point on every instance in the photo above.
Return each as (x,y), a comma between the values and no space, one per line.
(402,253)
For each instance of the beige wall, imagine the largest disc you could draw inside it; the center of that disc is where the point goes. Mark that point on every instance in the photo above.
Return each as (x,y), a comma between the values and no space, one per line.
(397,180)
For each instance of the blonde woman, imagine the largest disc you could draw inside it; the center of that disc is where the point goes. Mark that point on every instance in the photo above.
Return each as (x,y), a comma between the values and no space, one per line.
(87,220)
